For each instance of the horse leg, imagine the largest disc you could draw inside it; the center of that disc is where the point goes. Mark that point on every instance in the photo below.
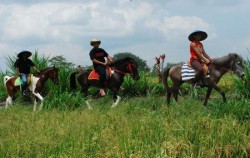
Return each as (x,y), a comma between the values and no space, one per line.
(116,98)
(176,87)
(169,93)
(8,101)
(35,103)
(84,90)
(209,89)
(220,91)
(38,95)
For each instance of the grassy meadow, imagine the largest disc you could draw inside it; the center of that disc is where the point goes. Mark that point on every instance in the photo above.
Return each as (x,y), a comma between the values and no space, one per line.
(140,126)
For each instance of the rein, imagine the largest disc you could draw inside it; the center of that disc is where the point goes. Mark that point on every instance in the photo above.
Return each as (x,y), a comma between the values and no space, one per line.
(129,67)
(223,68)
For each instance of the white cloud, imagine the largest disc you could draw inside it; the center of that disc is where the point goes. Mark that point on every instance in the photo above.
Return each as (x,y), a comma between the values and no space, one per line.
(60,27)
(171,26)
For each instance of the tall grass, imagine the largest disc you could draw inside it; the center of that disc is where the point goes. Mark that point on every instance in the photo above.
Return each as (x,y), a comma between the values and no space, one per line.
(242,87)
(138,127)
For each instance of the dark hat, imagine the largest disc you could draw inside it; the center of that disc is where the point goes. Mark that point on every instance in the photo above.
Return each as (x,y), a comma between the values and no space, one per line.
(196,32)
(28,53)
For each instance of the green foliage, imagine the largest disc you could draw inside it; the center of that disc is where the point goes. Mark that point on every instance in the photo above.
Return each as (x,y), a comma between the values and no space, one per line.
(147,85)
(61,62)
(142,63)
(242,87)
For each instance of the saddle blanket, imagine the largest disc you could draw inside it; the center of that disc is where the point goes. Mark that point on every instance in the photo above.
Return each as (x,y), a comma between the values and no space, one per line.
(188,72)
(19,82)
(95,76)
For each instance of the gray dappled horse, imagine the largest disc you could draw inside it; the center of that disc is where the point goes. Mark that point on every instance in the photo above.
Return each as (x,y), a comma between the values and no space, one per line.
(217,68)
(119,69)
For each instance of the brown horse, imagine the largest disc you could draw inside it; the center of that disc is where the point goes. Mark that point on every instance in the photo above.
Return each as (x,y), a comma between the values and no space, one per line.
(37,82)
(119,69)
(218,67)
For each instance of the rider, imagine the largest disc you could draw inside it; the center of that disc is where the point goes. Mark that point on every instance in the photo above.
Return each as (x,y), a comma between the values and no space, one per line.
(22,66)
(198,55)
(97,55)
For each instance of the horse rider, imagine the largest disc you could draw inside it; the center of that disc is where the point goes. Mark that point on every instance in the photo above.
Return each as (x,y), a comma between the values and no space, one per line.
(198,55)
(22,66)
(98,55)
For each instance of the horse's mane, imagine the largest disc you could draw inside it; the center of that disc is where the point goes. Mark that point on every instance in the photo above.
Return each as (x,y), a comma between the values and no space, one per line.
(38,74)
(226,59)
(119,63)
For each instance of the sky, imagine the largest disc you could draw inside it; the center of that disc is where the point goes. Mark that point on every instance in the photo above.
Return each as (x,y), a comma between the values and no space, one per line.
(145,28)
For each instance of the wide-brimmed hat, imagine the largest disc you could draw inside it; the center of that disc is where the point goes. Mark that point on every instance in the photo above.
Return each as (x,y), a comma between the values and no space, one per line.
(196,32)
(95,41)
(25,52)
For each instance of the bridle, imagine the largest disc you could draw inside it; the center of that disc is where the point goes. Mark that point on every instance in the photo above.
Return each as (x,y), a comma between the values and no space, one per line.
(223,68)
(45,76)
(129,68)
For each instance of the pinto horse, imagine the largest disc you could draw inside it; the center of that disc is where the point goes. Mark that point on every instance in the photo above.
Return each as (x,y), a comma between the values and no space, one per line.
(36,85)
(118,70)
(218,67)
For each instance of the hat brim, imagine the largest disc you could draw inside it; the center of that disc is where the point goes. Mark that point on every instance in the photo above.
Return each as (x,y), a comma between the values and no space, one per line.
(92,42)
(28,53)
(203,34)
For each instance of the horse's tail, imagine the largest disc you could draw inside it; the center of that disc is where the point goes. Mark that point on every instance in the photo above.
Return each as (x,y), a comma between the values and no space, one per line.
(73,80)
(5,79)
(165,78)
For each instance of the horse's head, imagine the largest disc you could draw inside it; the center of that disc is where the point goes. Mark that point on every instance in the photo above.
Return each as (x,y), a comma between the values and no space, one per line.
(52,73)
(236,64)
(132,69)
(128,65)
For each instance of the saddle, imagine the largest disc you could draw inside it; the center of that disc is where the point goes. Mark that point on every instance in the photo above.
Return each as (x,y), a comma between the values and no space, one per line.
(93,75)
(19,81)
(204,67)
(187,72)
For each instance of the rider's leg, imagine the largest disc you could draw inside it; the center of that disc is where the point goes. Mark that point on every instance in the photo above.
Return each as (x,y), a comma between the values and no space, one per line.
(24,83)
(102,73)
(198,71)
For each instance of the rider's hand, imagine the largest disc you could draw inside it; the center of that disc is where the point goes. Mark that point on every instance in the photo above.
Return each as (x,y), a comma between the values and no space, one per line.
(207,62)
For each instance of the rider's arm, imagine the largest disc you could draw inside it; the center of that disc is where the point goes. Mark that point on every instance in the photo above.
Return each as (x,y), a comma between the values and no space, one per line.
(196,51)
(17,70)
(205,54)
(110,58)
(99,62)
(36,69)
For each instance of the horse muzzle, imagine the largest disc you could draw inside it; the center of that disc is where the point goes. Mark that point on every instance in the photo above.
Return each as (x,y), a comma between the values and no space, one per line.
(241,74)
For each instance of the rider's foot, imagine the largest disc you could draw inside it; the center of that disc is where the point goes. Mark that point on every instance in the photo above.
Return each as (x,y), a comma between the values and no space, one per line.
(102,92)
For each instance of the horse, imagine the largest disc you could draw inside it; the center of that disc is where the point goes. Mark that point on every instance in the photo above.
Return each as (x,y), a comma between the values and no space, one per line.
(217,68)
(119,69)
(35,86)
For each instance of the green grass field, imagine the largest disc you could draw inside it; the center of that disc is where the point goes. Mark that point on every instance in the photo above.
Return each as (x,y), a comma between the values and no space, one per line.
(138,127)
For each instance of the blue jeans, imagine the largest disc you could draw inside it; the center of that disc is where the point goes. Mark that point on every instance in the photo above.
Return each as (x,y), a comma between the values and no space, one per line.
(24,79)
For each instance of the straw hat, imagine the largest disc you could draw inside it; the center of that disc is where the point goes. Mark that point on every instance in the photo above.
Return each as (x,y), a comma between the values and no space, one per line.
(25,52)
(95,41)
(197,32)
